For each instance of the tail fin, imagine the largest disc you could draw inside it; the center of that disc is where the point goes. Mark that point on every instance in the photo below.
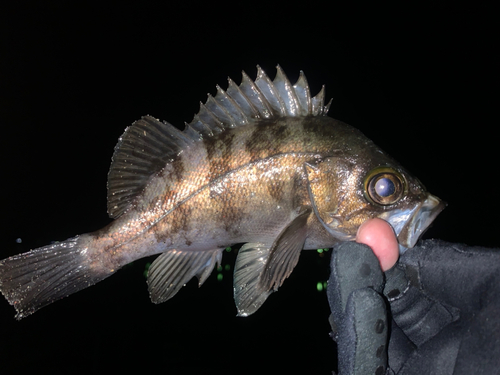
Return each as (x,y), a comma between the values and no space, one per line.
(32,280)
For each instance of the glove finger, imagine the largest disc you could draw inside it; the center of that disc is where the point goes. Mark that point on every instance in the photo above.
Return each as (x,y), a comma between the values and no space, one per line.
(353,266)
(362,339)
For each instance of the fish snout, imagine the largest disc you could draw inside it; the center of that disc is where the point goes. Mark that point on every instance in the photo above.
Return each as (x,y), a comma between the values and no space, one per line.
(423,216)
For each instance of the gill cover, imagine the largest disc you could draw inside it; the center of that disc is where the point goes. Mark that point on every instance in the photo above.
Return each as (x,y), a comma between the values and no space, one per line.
(327,182)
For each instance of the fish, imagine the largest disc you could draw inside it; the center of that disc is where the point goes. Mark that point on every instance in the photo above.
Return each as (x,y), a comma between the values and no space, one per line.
(261,164)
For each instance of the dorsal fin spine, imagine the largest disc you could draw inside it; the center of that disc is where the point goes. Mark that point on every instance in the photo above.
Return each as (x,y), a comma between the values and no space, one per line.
(285,89)
(270,93)
(191,132)
(242,100)
(209,118)
(326,108)
(318,103)
(219,112)
(301,88)
(255,96)
(201,126)
(231,108)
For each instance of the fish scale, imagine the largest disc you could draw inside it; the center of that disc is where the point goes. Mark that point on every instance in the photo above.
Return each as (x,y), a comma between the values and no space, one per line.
(260,164)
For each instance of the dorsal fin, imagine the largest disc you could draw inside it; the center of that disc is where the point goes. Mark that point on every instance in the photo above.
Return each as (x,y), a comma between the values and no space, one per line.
(148,145)
(142,151)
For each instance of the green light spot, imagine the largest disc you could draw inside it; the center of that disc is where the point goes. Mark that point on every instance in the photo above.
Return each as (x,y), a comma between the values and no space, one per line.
(227,267)
(319,286)
(228,249)
(219,277)
(325,284)
(219,268)
(146,270)
(320,251)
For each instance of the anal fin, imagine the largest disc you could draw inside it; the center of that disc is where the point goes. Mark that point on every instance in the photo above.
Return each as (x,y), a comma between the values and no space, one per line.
(174,268)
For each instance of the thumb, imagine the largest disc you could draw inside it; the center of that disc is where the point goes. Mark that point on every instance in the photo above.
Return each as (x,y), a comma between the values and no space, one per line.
(379,235)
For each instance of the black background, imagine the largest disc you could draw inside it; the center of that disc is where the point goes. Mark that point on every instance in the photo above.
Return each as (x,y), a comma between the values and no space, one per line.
(419,81)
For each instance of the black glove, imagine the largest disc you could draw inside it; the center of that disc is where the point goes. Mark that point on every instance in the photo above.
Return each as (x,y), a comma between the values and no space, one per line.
(436,312)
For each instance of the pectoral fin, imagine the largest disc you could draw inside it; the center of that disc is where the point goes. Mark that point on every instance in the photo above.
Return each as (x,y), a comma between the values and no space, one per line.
(174,268)
(261,268)
(250,263)
(284,253)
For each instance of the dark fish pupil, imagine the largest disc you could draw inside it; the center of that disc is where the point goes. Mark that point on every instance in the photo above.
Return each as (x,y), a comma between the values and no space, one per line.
(384,187)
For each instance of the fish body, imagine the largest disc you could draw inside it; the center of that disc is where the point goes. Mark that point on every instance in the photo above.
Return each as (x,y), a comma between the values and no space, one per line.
(260,164)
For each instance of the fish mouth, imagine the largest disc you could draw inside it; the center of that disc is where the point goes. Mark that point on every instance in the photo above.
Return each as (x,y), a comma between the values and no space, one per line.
(419,222)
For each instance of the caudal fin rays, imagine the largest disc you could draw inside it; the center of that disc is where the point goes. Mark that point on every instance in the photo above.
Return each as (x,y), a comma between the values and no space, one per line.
(32,280)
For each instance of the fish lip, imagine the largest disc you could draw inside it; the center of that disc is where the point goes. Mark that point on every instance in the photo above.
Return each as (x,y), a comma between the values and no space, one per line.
(423,216)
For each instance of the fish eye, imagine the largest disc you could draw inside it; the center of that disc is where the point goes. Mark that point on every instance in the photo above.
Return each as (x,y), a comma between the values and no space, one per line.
(384,186)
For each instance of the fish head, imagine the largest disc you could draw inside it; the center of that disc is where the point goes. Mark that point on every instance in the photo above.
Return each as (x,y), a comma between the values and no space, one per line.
(401,200)
(347,191)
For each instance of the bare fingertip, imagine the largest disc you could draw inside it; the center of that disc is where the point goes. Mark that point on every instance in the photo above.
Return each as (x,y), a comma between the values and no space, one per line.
(379,235)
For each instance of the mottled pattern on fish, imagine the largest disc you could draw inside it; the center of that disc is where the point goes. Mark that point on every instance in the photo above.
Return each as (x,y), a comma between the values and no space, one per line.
(260,164)
(221,182)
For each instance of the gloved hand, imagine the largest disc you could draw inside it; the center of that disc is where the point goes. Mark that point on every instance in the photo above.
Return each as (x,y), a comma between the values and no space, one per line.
(436,312)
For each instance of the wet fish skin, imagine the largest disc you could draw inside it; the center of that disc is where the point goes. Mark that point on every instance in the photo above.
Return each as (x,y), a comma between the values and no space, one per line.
(246,194)
(260,164)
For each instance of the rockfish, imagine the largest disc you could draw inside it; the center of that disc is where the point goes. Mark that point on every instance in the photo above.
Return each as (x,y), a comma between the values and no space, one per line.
(260,164)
